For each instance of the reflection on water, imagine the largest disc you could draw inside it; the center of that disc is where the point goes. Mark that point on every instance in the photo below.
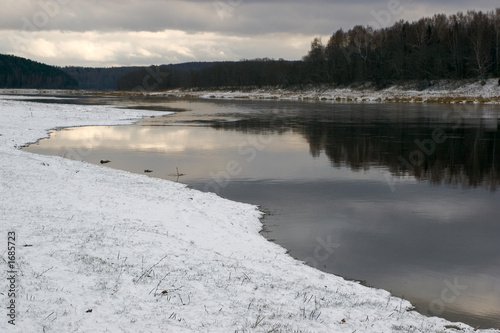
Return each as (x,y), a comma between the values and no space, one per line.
(402,197)
(451,147)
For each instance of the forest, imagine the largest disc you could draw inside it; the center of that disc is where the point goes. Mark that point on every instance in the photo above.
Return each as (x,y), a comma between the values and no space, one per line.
(111,78)
(98,78)
(459,46)
(259,72)
(16,72)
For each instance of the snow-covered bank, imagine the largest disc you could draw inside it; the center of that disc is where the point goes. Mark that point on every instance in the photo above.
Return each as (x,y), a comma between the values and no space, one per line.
(433,92)
(438,91)
(149,255)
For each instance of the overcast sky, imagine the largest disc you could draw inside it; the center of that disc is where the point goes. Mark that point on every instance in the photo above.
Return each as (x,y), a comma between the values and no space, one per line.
(103,33)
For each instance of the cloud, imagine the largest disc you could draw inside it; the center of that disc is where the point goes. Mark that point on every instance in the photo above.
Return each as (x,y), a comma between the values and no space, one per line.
(132,31)
(219,16)
(97,49)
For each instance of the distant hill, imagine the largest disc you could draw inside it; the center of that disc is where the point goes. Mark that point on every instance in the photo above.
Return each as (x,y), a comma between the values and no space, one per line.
(17,72)
(98,78)
(107,78)
(256,72)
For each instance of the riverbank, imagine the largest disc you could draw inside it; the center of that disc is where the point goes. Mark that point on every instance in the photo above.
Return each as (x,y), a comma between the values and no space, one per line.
(99,249)
(443,91)
(438,91)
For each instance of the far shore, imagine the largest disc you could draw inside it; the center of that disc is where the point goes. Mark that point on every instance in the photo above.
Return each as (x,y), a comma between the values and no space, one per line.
(443,91)
(438,91)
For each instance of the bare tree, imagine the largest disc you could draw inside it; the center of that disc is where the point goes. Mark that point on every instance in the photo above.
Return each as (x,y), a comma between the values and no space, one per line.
(478,38)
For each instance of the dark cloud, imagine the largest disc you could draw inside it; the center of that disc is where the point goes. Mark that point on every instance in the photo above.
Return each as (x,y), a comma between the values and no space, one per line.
(221,16)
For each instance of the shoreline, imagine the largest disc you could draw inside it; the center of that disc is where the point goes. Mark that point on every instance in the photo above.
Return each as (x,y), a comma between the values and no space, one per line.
(148,255)
(442,91)
(438,91)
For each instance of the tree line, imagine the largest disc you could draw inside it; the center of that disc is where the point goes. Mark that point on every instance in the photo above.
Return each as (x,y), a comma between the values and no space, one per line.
(98,78)
(16,72)
(257,72)
(460,46)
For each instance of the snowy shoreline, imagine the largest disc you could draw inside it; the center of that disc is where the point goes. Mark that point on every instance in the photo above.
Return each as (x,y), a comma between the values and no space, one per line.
(443,91)
(439,91)
(150,255)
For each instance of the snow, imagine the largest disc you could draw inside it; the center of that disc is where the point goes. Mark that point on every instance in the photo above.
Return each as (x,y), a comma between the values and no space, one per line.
(439,91)
(150,255)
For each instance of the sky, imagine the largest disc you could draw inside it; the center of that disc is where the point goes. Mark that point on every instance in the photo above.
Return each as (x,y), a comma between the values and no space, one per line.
(105,33)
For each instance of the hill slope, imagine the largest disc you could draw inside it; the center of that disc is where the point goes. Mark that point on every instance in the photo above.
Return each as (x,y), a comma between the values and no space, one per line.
(16,72)
(98,78)
(112,78)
